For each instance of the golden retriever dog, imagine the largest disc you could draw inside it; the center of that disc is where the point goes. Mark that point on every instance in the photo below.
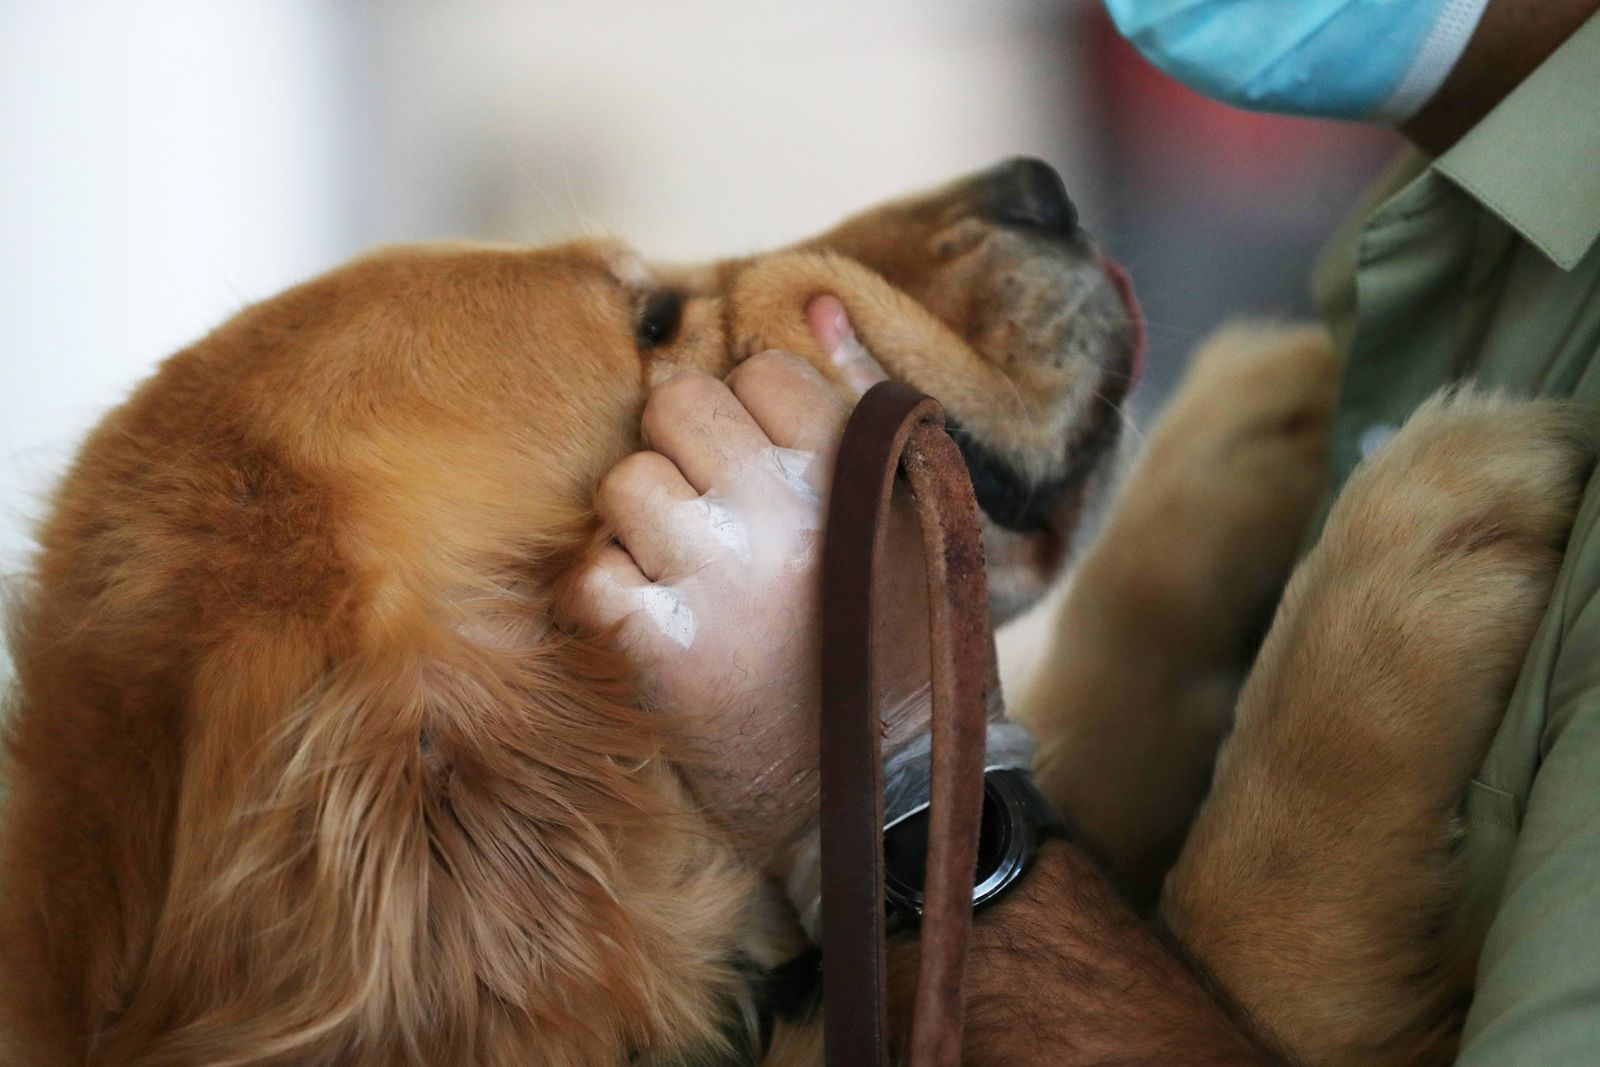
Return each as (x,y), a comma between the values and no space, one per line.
(300,772)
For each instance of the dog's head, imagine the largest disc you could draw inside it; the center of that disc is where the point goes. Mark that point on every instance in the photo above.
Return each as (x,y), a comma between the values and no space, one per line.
(485,390)
(379,803)
(987,295)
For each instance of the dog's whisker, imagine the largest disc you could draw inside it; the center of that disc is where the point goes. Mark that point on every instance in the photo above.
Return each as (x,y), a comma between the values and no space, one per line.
(1130,425)
(585,224)
(566,180)
(628,168)
(558,224)
(1022,406)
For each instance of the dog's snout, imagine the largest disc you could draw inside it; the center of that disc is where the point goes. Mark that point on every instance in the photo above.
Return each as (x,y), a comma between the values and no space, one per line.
(1026,194)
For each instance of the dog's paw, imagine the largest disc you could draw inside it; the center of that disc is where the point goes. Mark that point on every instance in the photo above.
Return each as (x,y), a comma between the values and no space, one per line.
(1254,407)
(1437,560)
(1214,514)
(1317,881)
(1473,480)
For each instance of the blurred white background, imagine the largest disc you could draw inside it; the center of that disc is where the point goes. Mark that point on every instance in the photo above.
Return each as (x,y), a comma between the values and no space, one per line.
(165,162)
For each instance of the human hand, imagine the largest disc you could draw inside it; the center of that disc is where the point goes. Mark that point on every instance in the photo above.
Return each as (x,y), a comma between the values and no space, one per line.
(714,584)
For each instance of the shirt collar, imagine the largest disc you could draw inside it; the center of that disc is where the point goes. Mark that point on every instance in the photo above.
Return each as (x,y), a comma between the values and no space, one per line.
(1535,159)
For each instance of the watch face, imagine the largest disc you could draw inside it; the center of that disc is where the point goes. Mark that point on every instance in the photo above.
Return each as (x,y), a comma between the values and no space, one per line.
(1009,836)
(905,859)
(1005,841)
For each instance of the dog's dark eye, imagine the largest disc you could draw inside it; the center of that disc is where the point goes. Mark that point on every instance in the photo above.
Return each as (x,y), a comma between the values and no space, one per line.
(658,318)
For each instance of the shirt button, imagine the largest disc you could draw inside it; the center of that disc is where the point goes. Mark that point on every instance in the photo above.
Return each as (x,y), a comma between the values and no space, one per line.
(1375,437)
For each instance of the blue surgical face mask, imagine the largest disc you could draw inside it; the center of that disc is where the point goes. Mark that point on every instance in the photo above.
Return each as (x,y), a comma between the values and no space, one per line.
(1348,59)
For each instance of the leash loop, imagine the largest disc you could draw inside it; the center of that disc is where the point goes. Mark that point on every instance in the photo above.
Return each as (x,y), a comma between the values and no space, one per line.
(895,428)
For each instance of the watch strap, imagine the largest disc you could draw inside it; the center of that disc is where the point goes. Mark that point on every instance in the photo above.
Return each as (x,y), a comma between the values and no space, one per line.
(907,773)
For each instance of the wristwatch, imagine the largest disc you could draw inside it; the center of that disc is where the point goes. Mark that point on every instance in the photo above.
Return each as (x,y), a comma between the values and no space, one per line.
(1016,821)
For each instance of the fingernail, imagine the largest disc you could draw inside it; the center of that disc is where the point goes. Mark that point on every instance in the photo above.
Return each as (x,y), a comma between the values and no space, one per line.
(830,325)
(859,369)
(850,353)
(841,321)
(828,321)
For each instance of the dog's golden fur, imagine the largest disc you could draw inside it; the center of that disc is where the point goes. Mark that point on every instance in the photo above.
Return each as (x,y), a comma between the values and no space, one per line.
(1318,880)
(300,772)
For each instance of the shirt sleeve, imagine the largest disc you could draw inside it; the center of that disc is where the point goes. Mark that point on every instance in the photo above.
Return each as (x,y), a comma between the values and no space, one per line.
(1538,995)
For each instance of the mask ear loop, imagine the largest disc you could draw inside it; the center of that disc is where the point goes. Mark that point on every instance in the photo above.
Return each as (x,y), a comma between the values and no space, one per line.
(895,426)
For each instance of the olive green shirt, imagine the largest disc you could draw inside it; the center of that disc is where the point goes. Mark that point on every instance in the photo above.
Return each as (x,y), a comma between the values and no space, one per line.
(1484,264)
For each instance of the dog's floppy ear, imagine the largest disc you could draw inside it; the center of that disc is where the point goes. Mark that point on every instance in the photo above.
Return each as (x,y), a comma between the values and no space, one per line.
(417,862)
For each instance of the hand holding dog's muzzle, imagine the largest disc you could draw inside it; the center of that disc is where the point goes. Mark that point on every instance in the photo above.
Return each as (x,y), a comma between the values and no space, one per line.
(713,586)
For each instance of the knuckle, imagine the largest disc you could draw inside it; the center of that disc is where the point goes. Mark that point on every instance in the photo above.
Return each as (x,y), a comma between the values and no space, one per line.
(772,369)
(584,604)
(683,396)
(631,479)
(779,360)
(585,601)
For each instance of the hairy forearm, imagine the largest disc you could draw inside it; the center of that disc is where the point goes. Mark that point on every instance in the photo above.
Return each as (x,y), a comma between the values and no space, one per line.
(1064,972)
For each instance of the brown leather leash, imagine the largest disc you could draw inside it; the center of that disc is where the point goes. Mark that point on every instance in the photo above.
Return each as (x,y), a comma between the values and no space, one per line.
(896,428)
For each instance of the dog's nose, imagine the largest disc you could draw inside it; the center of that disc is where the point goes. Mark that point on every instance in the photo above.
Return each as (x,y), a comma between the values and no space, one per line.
(1026,194)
